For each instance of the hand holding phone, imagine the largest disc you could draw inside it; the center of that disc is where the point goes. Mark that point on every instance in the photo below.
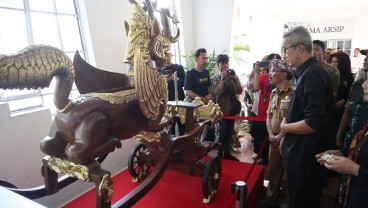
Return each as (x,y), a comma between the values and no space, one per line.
(261,64)
(168,72)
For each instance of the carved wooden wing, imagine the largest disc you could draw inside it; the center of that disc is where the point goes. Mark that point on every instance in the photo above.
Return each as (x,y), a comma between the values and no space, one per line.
(151,87)
(90,79)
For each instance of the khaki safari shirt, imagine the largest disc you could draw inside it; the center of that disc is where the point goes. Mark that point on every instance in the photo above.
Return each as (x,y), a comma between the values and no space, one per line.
(334,74)
(279,105)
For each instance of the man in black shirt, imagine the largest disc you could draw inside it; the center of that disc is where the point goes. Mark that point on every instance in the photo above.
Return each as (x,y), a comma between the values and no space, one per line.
(197,79)
(169,71)
(310,109)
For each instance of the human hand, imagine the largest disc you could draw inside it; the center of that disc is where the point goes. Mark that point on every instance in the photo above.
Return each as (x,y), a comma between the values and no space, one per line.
(272,137)
(342,165)
(320,158)
(273,141)
(257,67)
(283,126)
(169,77)
(339,104)
(281,144)
(208,98)
(224,73)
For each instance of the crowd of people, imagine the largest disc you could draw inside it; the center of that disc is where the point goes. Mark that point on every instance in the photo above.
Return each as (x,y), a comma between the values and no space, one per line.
(315,118)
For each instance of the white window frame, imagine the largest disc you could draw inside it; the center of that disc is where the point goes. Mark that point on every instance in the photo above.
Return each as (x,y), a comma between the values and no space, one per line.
(39,93)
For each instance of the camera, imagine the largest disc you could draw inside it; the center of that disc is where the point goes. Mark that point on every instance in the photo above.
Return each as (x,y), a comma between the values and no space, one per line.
(231,72)
(261,64)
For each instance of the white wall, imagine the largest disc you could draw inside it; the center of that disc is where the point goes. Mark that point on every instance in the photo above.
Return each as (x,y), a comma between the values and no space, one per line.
(107,32)
(208,24)
(186,24)
(21,157)
(268,22)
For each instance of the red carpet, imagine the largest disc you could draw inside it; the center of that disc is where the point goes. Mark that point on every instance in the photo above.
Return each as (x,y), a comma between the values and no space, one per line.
(180,190)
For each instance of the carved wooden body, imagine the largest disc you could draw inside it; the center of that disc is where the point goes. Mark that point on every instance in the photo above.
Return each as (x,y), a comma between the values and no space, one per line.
(93,126)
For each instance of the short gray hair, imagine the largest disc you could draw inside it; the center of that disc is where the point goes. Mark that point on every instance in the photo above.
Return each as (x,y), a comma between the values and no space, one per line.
(300,35)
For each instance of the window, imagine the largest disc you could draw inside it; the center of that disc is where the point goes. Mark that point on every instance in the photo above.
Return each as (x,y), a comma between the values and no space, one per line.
(339,45)
(171,5)
(48,22)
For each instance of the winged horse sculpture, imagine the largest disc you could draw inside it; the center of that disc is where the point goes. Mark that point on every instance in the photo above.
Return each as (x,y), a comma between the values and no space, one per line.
(94,123)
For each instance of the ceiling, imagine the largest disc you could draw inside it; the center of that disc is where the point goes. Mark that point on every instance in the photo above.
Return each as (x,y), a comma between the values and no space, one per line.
(270,6)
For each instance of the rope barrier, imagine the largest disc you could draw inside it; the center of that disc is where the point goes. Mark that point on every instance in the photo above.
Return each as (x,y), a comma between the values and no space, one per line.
(265,141)
(244,118)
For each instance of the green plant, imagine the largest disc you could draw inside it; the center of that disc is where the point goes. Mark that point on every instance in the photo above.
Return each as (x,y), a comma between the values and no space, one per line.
(240,46)
(210,66)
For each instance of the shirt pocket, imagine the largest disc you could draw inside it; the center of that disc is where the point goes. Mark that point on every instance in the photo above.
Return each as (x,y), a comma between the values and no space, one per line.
(284,106)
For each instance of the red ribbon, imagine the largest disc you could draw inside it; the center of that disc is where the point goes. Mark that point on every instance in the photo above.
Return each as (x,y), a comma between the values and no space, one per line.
(244,118)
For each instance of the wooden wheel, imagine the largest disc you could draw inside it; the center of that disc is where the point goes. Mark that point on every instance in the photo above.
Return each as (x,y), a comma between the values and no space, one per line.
(211,179)
(136,165)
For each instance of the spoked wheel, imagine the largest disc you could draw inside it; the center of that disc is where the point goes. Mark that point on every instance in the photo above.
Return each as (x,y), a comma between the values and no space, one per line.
(136,165)
(211,179)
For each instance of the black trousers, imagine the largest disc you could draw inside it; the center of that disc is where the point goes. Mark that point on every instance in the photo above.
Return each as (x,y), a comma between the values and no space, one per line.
(305,191)
(226,133)
(181,127)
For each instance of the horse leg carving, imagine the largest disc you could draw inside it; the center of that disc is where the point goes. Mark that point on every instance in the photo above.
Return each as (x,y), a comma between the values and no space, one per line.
(92,139)
(53,146)
(55,143)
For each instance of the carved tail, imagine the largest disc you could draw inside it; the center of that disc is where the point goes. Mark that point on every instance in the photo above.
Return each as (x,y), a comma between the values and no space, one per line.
(34,67)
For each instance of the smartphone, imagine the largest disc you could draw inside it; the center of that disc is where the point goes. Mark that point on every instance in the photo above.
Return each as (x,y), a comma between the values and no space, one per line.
(168,72)
(263,64)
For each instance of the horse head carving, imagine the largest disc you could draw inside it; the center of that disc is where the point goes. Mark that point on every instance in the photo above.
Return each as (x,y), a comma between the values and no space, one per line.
(144,32)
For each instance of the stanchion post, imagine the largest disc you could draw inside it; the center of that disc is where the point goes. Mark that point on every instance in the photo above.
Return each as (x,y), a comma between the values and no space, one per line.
(240,189)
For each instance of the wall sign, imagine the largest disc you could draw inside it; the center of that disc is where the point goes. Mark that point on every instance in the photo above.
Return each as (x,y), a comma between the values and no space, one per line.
(326,29)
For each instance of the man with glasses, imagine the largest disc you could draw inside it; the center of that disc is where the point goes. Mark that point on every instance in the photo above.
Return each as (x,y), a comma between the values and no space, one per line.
(310,109)
(261,84)
(197,80)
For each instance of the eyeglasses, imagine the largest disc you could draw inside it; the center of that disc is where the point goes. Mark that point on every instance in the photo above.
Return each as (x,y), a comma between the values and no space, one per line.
(274,71)
(285,50)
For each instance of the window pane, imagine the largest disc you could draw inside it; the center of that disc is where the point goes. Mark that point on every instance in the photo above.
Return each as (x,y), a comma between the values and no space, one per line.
(41,5)
(65,6)
(340,45)
(325,42)
(71,55)
(6,95)
(12,3)
(348,44)
(69,33)
(50,89)
(23,104)
(14,37)
(45,29)
(48,102)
